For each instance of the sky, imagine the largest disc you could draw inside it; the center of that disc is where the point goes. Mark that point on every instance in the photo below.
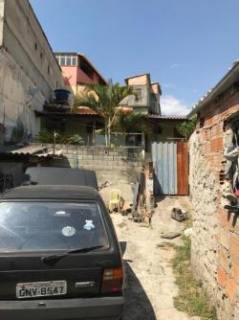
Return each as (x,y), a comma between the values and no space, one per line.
(186,45)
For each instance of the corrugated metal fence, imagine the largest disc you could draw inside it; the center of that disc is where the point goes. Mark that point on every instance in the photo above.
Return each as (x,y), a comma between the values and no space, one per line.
(170,161)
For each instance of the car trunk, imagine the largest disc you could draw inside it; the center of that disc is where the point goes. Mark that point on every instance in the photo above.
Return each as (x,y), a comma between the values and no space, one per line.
(82,276)
(33,230)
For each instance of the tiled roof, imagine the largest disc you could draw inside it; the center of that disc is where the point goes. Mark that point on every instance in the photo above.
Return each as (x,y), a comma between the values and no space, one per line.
(30,149)
(228,79)
(85,111)
(34,151)
(77,112)
(170,117)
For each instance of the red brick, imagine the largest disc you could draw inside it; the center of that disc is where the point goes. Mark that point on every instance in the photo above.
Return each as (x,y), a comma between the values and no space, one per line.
(206,134)
(224,238)
(225,281)
(223,218)
(208,121)
(206,148)
(231,288)
(219,130)
(221,277)
(235,270)
(224,259)
(217,144)
(234,245)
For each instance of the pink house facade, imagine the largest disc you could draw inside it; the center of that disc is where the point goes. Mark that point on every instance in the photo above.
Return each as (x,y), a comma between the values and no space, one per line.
(78,71)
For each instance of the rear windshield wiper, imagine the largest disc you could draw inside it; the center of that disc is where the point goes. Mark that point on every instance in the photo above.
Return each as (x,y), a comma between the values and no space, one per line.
(51,260)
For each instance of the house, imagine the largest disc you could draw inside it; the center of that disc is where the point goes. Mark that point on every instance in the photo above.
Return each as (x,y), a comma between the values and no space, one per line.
(214,185)
(78,71)
(166,127)
(146,102)
(81,122)
(147,95)
(29,71)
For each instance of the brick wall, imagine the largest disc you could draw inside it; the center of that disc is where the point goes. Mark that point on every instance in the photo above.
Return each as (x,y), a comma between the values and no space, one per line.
(215,239)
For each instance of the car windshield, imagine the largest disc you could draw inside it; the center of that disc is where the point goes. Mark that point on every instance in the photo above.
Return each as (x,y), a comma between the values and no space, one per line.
(47,226)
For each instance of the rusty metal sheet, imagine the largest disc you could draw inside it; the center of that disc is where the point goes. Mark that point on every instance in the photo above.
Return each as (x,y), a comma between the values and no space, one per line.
(183,168)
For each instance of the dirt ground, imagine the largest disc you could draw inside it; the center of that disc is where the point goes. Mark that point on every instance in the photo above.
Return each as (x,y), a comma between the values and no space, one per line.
(150,283)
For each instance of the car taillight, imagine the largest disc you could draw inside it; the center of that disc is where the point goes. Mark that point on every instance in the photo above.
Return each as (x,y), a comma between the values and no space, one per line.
(112,280)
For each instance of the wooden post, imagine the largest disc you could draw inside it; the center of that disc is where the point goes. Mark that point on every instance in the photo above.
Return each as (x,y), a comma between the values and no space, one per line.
(149,192)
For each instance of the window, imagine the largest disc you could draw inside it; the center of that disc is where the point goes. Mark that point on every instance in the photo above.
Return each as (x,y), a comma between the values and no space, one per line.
(74,61)
(138,94)
(35,46)
(43,226)
(67,60)
(62,60)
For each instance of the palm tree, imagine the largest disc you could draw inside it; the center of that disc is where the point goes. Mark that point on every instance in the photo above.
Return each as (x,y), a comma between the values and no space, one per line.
(105,100)
(134,123)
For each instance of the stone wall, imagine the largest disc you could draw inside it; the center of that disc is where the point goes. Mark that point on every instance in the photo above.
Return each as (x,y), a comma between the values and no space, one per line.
(215,239)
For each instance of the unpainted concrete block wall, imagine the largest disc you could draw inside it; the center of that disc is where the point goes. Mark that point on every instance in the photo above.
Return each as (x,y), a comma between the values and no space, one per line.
(121,174)
(215,238)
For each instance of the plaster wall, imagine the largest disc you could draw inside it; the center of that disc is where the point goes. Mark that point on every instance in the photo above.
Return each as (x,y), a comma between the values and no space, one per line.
(29,71)
(26,42)
(76,79)
(70,77)
(2,2)
(141,80)
(14,106)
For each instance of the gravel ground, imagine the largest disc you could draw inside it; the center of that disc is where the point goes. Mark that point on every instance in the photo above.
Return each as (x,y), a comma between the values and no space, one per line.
(150,283)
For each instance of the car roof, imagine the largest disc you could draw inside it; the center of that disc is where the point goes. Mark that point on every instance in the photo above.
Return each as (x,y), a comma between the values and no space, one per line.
(62,176)
(53,192)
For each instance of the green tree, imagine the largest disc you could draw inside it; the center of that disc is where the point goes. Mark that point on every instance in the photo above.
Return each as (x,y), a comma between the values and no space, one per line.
(105,100)
(133,123)
(187,127)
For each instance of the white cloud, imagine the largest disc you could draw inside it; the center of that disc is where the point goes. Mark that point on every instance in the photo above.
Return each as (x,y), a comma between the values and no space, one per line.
(172,106)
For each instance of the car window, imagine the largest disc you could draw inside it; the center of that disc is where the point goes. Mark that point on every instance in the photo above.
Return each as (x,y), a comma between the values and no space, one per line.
(43,226)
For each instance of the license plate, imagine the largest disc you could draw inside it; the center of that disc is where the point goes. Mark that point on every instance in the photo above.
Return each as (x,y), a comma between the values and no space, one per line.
(41,289)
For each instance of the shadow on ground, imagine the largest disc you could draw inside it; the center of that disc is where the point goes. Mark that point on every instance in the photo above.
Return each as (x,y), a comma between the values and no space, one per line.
(137,304)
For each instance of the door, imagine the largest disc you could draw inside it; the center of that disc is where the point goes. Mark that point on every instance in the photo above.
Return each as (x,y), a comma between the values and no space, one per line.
(182,168)
(170,160)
